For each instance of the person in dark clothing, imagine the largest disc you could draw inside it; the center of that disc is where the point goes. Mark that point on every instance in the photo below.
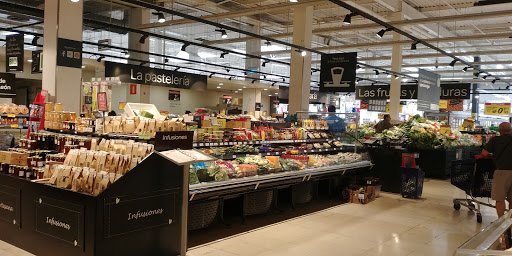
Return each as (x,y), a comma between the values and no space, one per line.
(384,124)
(112,113)
(501,149)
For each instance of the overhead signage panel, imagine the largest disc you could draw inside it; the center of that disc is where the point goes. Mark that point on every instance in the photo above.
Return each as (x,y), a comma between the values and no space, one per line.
(135,74)
(338,72)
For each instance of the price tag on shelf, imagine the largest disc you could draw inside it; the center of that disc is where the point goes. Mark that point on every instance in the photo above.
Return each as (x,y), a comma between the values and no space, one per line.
(11,115)
(14,126)
(268,154)
(231,143)
(201,144)
(247,154)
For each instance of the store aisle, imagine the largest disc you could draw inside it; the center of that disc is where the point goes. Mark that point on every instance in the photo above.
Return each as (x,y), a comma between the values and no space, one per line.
(390,225)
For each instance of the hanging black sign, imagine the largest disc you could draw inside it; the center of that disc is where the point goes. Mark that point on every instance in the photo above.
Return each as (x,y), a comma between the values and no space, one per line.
(382,92)
(14,53)
(455,91)
(124,215)
(174,140)
(9,205)
(7,83)
(37,62)
(338,72)
(135,74)
(60,220)
(69,53)
(174,95)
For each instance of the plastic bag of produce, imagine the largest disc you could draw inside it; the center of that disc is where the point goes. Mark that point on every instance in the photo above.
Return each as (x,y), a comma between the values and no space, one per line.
(192,179)
(202,173)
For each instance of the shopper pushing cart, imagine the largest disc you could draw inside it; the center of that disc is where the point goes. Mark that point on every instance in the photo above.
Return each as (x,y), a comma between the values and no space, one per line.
(501,149)
(489,175)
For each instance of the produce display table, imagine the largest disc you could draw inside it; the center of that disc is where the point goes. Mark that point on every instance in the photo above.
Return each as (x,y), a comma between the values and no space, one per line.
(387,163)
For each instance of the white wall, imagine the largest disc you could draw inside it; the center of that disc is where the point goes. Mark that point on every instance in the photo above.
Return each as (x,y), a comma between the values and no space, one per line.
(189,99)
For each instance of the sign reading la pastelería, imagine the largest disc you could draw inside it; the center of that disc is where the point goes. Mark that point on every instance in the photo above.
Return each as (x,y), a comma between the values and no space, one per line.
(153,76)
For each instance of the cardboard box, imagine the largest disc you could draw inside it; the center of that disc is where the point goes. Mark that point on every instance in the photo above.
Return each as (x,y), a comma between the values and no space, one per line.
(363,196)
(15,158)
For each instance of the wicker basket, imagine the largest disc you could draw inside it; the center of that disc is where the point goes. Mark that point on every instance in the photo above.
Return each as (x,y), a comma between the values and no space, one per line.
(303,193)
(202,214)
(258,202)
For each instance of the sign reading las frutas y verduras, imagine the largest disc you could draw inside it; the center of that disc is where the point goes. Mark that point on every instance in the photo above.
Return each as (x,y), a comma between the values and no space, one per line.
(135,74)
(338,72)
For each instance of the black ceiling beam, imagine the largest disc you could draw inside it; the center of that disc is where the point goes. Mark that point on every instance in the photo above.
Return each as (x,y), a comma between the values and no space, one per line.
(204,21)
(401,32)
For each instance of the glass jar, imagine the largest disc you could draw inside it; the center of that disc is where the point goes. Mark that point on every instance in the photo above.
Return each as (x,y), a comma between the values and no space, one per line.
(59,107)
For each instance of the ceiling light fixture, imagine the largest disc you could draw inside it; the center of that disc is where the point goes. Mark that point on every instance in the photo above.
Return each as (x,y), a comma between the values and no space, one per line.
(268,43)
(348,18)
(493,81)
(359,67)
(265,89)
(143,38)
(465,69)
(184,46)
(142,63)
(218,87)
(453,63)
(294,1)
(274,83)
(166,60)
(283,80)
(223,33)
(223,54)
(397,76)
(376,72)
(161,17)
(230,78)
(413,45)
(477,96)
(484,77)
(253,81)
(227,70)
(100,58)
(34,40)
(177,68)
(264,63)
(75,1)
(381,33)
(210,76)
(126,54)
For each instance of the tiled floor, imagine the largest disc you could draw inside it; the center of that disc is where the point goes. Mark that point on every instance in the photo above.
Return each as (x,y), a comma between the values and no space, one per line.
(390,225)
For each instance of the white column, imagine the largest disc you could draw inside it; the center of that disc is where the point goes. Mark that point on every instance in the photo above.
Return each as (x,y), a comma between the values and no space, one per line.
(252,95)
(300,68)
(62,19)
(137,17)
(396,65)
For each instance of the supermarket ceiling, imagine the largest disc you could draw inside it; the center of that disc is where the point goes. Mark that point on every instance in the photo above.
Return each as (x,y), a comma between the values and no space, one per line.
(464,28)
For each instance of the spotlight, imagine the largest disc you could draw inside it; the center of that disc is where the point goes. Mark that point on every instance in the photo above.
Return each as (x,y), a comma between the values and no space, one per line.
(126,54)
(210,76)
(264,77)
(303,53)
(230,78)
(166,60)
(223,54)
(477,96)
(493,81)
(34,40)
(284,80)
(184,46)
(264,63)
(143,39)
(274,83)
(348,18)
(484,77)
(413,45)
(265,89)
(223,33)
(100,58)
(142,63)
(453,63)
(161,17)
(508,87)
(268,43)
(227,70)
(381,33)
(253,81)
(177,68)
(358,67)
(396,76)
(465,69)
(376,72)
(245,73)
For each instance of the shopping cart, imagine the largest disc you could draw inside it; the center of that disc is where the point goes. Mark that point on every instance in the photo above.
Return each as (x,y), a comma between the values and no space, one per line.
(474,176)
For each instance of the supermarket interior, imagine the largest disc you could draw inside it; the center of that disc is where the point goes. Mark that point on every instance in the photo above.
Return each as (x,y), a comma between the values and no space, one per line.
(255,127)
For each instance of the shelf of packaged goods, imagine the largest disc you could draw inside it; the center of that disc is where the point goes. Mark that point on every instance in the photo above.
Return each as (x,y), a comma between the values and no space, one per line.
(106,136)
(12,126)
(257,142)
(278,153)
(260,181)
(15,115)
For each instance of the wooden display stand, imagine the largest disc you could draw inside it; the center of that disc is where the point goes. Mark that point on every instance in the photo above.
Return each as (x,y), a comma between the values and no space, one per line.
(143,213)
